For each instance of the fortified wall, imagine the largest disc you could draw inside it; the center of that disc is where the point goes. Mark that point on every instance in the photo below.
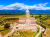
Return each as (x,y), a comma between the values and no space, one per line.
(46,33)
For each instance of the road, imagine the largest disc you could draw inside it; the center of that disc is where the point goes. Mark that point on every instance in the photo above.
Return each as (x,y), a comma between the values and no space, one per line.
(40,31)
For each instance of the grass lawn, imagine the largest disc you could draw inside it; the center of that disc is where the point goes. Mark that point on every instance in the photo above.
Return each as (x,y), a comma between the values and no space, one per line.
(36,32)
(22,34)
(40,34)
(1,28)
(2,17)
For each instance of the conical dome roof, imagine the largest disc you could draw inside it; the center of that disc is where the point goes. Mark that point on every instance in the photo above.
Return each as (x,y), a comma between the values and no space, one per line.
(27,11)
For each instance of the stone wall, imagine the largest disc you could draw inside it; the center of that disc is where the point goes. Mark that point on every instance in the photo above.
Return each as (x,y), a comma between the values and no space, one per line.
(43,35)
(41,25)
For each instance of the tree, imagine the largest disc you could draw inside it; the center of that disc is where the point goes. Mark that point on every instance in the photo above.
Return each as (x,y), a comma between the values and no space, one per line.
(32,15)
(48,16)
(7,25)
(40,16)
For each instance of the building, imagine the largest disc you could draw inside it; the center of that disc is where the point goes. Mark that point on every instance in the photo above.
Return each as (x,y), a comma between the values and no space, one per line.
(27,22)
(11,21)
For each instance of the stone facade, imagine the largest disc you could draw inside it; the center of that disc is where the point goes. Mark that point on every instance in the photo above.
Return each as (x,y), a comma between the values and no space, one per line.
(27,15)
(27,20)
(27,23)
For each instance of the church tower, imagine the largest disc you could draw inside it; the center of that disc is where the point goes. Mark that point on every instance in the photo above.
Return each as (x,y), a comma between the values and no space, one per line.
(27,17)
(27,14)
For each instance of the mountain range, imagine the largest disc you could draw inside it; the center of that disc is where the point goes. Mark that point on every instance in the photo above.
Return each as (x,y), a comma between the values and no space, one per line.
(23,11)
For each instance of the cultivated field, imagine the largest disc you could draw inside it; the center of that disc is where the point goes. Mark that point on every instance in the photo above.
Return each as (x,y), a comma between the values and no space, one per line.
(45,20)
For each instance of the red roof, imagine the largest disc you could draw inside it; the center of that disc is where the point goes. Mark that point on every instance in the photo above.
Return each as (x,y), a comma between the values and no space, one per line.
(16,24)
(13,21)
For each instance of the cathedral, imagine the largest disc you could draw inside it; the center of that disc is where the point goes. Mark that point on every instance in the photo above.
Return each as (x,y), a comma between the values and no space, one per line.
(27,22)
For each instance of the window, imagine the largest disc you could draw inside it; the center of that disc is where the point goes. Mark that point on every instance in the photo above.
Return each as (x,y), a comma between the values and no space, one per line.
(16,27)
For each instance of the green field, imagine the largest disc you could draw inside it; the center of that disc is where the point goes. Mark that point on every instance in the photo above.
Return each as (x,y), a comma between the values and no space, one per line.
(36,32)
(40,34)
(1,28)
(44,20)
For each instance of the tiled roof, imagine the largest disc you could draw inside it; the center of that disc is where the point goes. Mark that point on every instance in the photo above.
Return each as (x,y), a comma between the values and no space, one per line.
(16,24)
(13,21)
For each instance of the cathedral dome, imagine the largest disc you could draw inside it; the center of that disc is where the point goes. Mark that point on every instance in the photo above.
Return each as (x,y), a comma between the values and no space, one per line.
(27,11)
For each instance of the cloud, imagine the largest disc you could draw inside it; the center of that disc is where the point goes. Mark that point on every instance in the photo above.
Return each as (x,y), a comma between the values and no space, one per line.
(1,6)
(42,4)
(15,6)
(21,6)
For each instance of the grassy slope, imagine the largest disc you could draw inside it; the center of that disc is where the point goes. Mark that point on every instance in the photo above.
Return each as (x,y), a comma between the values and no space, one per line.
(1,28)
(5,31)
(40,34)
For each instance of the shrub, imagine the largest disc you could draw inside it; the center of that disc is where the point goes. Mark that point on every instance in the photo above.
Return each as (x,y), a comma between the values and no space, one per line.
(7,25)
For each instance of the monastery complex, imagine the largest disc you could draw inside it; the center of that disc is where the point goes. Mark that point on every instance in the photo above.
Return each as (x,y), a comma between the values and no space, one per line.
(27,22)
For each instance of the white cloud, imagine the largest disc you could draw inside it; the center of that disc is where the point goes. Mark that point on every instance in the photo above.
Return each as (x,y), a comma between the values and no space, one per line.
(21,6)
(43,4)
(15,6)
(1,6)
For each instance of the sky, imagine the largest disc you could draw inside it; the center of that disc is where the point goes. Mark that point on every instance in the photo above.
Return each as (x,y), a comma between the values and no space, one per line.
(24,4)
